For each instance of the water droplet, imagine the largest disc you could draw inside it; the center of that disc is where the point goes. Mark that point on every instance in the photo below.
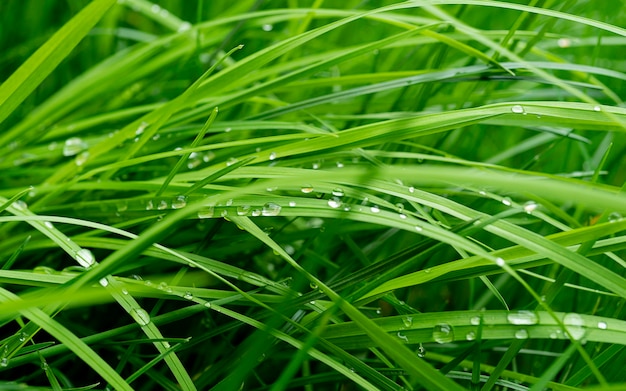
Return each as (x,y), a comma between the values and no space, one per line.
(188,296)
(613,217)
(292,203)
(530,207)
(470,336)
(179,202)
(162,205)
(403,337)
(270,209)
(506,201)
(575,325)
(256,212)
(194,160)
(85,257)
(124,291)
(375,209)
(306,189)
(335,202)
(149,205)
(155,8)
(243,210)
(597,108)
(517,109)
(411,189)
(272,155)
(522,318)
(82,158)
(407,321)
(500,262)
(418,228)
(74,146)
(402,216)
(270,189)
(313,286)
(4,362)
(48,225)
(339,164)
(421,352)
(315,165)
(227,130)
(140,316)
(19,205)
(207,304)
(475,320)
(184,26)
(602,325)
(122,206)
(564,43)
(338,192)
(443,333)
(231,161)
(206,212)
(521,334)
(267,27)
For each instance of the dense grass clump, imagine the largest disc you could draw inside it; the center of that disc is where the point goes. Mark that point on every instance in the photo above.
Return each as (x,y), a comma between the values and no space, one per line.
(315,195)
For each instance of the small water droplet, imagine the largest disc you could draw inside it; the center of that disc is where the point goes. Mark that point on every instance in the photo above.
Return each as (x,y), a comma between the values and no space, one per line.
(149,205)
(179,202)
(306,189)
(292,203)
(613,217)
(188,296)
(564,42)
(155,8)
(122,206)
(162,205)
(506,201)
(418,228)
(85,257)
(231,161)
(81,158)
(243,210)
(517,109)
(74,146)
(270,209)
(23,337)
(315,165)
(313,286)
(124,291)
(104,282)
(402,216)
(575,325)
(470,336)
(522,318)
(335,202)
(602,325)
(421,351)
(339,164)
(375,209)
(411,189)
(207,304)
(206,212)
(403,337)
(475,320)
(530,207)
(338,192)
(443,333)
(272,155)
(48,225)
(256,212)
(4,362)
(500,262)
(267,27)
(407,321)
(597,108)
(184,26)
(521,334)
(140,316)
(19,205)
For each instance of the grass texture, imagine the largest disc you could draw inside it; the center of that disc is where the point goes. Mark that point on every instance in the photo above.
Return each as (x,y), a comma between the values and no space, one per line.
(312,195)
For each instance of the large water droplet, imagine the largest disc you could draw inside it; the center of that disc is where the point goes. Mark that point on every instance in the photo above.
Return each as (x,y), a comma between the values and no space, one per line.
(73,146)
(85,257)
(140,316)
(179,202)
(270,209)
(522,318)
(443,333)
(335,202)
(575,325)
(517,109)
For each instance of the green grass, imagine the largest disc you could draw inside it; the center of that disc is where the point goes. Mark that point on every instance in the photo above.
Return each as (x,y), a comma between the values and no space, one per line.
(314,195)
